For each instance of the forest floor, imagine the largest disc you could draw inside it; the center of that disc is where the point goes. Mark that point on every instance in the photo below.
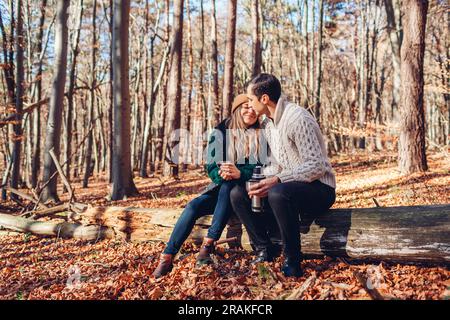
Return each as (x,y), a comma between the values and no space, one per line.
(48,268)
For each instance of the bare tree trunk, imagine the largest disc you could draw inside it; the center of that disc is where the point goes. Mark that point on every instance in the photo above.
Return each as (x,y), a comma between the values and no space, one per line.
(149,129)
(8,55)
(95,145)
(204,104)
(256,40)
(122,185)
(146,89)
(202,119)
(372,40)
(214,113)
(278,25)
(88,159)
(305,52)
(442,56)
(148,98)
(319,64)
(412,156)
(162,138)
(10,85)
(36,143)
(28,118)
(111,96)
(17,138)
(187,107)
(101,130)
(197,123)
(71,94)
(229,59)
(378,89)
(312,55)
(201,110)
(162,112)
(52,140)
(135,106)
(171,155)
(395,31)
(363,72)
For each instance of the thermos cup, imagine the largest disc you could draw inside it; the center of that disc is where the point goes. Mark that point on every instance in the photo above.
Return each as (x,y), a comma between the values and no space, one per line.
(257,176)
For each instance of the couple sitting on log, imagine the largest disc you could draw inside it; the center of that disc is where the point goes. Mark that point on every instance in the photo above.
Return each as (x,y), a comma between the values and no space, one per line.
(299,178)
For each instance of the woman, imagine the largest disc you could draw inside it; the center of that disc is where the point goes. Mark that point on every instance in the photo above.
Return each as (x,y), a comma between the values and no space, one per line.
(236,161)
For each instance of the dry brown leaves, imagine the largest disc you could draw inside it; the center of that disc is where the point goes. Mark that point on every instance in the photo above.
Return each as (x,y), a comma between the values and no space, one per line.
(49,268)
(35,268)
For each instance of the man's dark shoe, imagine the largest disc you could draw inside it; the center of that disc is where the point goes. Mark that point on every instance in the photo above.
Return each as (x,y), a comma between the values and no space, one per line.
(165,265)
(275,250)
(262,255)
(291,268)
(204,255)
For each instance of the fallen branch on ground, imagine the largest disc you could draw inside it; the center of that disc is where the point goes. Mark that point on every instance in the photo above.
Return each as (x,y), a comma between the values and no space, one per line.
(297,293)
(49,211)
(25,196)
(228,240)
(373,292)
(62,175)
(63,229)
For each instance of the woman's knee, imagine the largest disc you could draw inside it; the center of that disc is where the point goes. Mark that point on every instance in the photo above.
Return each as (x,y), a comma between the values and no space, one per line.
(193,208)
(227,186)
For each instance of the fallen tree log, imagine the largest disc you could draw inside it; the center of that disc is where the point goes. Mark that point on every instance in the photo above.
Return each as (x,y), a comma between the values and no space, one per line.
(62,229)
(403,234)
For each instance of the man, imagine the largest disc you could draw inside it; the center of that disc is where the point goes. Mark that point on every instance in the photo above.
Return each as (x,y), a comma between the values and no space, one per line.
(302,179)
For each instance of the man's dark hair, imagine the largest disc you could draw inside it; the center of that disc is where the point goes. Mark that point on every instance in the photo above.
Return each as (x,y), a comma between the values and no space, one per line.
(265,83)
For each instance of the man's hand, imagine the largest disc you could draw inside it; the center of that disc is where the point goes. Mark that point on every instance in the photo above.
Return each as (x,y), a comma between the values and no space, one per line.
(228,171)
(261,189)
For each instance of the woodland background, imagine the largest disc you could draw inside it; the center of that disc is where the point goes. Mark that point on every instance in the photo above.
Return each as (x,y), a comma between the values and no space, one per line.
(103,84)
(339,59)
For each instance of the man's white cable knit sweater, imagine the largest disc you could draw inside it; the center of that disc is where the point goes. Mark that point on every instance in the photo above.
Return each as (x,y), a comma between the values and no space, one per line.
(297,146)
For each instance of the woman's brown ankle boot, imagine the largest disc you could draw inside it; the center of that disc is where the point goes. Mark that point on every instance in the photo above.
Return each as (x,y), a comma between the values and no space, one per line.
(165,265)
(204,255)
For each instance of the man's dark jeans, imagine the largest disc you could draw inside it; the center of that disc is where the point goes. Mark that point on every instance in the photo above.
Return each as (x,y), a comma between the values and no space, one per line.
(285,202)
(216,202)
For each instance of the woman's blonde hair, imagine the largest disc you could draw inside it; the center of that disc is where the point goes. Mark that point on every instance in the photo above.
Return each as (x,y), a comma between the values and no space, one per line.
(243,140)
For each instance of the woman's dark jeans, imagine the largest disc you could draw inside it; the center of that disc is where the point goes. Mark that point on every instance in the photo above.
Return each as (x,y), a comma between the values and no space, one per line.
(216,202)
(286,201)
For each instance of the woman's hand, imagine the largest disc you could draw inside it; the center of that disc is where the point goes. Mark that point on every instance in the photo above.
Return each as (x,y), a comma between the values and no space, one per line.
(228,171)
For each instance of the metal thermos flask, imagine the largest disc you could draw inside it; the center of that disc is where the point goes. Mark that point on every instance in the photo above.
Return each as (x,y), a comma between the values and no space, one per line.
(257,176)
